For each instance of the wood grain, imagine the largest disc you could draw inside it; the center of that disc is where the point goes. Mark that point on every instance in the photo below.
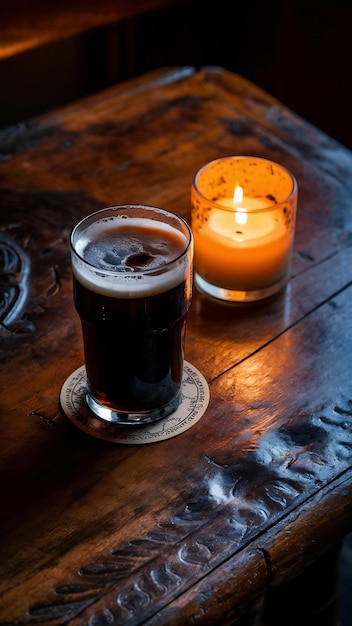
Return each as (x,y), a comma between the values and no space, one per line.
(193,529)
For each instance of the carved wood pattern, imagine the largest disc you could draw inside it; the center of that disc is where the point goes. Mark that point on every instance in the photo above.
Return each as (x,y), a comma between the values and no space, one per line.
(147,572)
(14,269)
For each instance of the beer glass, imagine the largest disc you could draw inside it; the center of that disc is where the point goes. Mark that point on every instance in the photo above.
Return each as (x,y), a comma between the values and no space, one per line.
(132,285)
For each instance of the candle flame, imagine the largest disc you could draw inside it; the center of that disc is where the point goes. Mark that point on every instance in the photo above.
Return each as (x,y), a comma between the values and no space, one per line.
(240,213)
(238,195)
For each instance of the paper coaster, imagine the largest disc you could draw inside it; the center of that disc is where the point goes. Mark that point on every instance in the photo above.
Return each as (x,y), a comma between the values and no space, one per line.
(195,399)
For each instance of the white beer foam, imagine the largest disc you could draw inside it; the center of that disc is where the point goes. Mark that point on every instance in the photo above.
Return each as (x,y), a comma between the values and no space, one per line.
(127,284)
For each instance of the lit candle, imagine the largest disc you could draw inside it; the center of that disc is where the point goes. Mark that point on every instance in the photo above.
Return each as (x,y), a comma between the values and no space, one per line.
(238,223)
(243,242)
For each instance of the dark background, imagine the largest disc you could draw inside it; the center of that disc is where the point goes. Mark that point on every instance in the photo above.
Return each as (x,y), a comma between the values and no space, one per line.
(297,50)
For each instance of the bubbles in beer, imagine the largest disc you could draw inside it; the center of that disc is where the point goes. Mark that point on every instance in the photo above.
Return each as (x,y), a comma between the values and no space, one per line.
(133,248)
(138,260)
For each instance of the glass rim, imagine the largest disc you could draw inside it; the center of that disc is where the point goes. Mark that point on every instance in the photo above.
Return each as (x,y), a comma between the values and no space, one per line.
(94,217)
(269,207)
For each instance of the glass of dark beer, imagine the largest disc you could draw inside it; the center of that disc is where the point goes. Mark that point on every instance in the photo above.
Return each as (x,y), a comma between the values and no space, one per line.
(132,283)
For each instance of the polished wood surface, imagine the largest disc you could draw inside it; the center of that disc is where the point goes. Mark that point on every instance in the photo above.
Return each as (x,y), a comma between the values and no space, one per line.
(191,530)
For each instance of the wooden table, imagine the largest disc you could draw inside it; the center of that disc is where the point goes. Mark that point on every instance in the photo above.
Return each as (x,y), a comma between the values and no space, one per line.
(193,529)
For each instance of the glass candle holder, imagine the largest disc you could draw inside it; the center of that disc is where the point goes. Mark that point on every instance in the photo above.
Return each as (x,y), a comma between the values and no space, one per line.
(243,223)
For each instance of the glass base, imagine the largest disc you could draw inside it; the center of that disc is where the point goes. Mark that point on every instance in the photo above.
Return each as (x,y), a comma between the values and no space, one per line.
(236,295)
(124,418)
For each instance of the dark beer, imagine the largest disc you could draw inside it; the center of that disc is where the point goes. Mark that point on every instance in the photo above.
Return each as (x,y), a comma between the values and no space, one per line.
(132,291)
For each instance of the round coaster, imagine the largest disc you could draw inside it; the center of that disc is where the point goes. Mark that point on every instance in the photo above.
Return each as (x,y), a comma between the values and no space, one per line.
(195,399)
